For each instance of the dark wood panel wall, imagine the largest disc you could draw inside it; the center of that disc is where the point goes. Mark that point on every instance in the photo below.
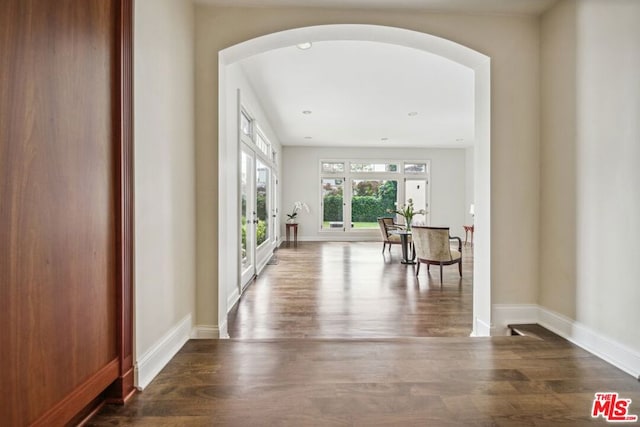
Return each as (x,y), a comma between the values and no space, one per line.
(65,207)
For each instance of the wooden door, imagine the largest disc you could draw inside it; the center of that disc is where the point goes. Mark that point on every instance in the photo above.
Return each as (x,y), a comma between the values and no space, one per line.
(65,202)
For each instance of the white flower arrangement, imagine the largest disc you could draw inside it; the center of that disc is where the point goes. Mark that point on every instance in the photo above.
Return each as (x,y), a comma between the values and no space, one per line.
(297,206)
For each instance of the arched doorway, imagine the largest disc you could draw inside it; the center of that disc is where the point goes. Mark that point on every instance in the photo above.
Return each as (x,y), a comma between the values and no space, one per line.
(228,241)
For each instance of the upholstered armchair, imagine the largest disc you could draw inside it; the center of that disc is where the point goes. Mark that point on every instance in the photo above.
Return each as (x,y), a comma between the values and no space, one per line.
(433,246)
(386,225)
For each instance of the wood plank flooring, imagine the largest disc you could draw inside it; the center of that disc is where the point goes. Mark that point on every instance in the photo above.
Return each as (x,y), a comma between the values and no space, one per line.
(337,335)
(498,381)
(352,290)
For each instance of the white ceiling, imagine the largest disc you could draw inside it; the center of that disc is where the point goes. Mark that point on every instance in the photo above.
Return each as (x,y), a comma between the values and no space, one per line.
(519,7)
(360,92)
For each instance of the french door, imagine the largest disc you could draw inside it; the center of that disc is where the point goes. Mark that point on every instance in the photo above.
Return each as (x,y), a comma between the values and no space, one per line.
(248,216)
(257,214)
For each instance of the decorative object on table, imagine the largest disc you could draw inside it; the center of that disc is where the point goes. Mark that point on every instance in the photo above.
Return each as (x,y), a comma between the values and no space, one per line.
(297,206)
(408,212)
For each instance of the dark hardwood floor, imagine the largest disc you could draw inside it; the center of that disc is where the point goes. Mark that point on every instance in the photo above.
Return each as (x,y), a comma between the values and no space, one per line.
(313,344)
(351,290)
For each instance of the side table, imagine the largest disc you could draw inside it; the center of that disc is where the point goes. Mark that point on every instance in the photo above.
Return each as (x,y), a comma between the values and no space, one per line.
(295,234)
(467,229)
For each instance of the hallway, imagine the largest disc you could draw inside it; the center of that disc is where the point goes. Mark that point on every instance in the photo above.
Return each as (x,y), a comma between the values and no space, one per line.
(497,381)
(350,290)
(323,338)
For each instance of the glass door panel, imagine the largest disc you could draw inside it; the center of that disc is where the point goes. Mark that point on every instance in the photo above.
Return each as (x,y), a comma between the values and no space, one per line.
(274,208)
(263,175)
(332,204)
(247,214)
(416,190)
(370,200)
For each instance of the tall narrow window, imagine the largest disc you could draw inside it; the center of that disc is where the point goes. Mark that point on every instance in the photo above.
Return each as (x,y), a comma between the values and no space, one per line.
(332,203)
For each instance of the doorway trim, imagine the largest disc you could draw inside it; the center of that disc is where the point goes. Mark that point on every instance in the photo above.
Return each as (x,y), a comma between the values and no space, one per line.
(478,62)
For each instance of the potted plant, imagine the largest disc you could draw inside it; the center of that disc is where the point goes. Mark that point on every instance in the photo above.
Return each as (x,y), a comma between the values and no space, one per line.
(408,212)
(297,206)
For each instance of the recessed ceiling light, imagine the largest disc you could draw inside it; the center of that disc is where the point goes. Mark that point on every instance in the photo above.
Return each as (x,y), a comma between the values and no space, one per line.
(413,113)
(308,137)
(304,46)
(459,140)
(306,112)
(384,139)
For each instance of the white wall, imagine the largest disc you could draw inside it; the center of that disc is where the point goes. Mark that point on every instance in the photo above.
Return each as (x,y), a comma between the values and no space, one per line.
(590,152)
(608,199)
(164,179)
(301,181)
(558,160)
(512,43)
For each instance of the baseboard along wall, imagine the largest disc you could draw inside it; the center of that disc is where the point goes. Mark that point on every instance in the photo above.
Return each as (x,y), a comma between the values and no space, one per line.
(609,350)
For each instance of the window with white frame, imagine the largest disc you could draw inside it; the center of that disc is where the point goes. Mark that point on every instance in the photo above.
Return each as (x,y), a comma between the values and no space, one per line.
(332,167)
(354,193)
(246,124)
(367,167)
(263,145)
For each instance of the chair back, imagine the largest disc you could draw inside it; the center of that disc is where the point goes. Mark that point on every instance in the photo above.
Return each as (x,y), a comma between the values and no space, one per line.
(432,243)
(383,223)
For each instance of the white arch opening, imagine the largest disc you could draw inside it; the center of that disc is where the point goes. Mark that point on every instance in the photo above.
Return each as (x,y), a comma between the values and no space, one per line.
(228,252)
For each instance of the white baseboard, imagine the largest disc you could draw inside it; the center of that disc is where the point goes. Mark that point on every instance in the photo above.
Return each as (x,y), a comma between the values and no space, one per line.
(614,352)
(511,314)
(609,350)
(155,359)
(205,332)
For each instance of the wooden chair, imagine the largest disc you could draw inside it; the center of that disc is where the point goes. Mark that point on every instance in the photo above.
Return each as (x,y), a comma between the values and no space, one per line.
(433,246)
(387,224)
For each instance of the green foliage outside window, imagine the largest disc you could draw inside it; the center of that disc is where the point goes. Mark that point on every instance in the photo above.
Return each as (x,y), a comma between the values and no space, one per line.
(261,232)
(370,201)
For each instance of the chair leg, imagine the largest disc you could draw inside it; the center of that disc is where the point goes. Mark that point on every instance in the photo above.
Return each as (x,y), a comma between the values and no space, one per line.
(440,274)
(460,267)
(384,245)
(418,268)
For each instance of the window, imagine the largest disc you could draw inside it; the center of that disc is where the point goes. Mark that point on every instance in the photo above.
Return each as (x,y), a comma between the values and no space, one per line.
(263,144)
(355,193)
(415,168)
(332,167)
(370,200)
(246,126)
(373,167)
